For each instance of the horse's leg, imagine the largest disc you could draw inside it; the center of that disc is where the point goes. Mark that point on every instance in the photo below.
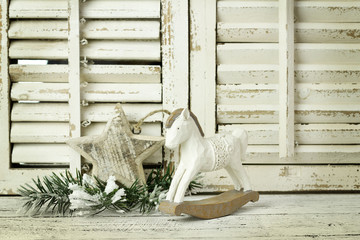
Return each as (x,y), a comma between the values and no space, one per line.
(241,175)
(175,183)
(184,183)
(237,183)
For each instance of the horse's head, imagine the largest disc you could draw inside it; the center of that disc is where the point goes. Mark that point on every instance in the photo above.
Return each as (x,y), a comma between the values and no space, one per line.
(179,131)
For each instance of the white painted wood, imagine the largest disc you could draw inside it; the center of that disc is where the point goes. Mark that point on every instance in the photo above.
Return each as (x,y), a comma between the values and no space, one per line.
(286,78)
(304,32)
(74,92)
(120,9)
(115,29)
(328,11)
(247,73)
(260,134)
(100,112)
(39,132)
(95,29)
(97,92)
(202,63)
(304,113)
(34,49)
(41,153)
(92,9)
(280,216)
(104,50)
(247,94)
(247,11)
(122,50)
(291,178)
(93,73)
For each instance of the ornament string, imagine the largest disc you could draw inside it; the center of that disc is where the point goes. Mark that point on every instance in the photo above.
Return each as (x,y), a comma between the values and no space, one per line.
(136,129)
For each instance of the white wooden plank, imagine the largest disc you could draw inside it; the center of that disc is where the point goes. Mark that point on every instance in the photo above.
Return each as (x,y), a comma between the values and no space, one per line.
(247,11)
(304,134)
(120,9)
(329,11)
(58,112)
(92,9)
(38,9)
(93,73)
(202,63)
(39,132)
(290,178)
(122,50)
(40,29)
(98,92)
(101,112)
(328,93)
(286,78)
(41,153)
(247,94)
(247,113)
(115,29)
(311,73)
(74,94)
(150,129)
(33,49)
(247,53)
(247,73)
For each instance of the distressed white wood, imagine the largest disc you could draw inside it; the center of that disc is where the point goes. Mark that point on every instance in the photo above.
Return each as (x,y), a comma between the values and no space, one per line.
(122,50)
(304,134)
(247,73)
(291,178)
(286,78)
(41,153)
(280,216)
(97,92)
(124,29)
(95,29)
(74,93)
(328,11)
(120,9)
(247,94)
(34,49)
(39,132)
(92,9)
(202,63)
(100,112)
(93,73)
(247,11)
(304,113)
(304,32)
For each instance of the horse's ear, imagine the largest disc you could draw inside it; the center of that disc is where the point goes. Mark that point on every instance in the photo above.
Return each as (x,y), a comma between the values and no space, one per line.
(186,113)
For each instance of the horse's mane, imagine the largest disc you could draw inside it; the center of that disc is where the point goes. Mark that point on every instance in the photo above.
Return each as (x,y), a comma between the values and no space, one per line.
(175,114)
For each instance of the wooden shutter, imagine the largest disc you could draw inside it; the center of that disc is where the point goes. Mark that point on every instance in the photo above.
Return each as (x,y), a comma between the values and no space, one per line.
(44,105)
(288,72)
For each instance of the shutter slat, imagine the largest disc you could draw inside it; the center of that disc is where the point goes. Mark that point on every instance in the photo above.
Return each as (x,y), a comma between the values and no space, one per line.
(106,29)
(93,73)
(89,9)
(57,112)
(96,92)
(34,49)
(304,113)
(304,32)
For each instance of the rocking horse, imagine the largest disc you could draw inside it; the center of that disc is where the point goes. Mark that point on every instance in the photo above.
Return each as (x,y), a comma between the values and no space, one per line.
(199,154)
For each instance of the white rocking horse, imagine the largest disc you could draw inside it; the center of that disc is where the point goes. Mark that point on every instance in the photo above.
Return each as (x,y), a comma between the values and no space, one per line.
(225,150)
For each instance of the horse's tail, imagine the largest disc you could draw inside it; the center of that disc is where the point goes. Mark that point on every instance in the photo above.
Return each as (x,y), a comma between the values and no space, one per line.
(242,135)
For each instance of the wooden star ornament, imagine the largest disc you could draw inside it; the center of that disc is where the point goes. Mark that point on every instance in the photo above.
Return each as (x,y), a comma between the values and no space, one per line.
(117,151)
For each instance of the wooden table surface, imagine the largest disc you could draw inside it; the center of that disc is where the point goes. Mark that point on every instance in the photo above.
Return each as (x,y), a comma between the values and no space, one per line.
(280,216)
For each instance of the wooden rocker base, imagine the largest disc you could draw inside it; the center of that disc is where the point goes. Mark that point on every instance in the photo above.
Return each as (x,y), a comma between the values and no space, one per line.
(214,207)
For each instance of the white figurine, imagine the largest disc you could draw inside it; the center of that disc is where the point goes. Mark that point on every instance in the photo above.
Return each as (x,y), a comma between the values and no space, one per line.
(225,150)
